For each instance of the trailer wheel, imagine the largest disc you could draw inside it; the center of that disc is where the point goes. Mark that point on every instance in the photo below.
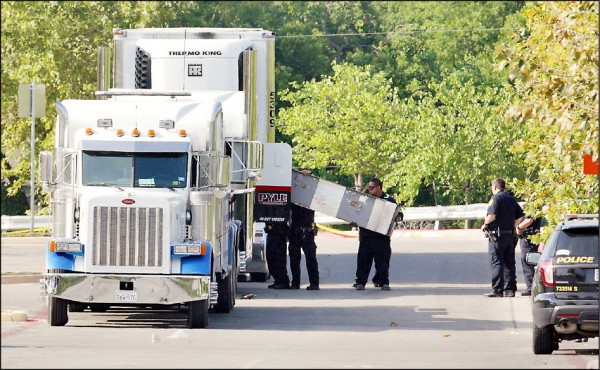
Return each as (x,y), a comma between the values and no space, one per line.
(57,312)
(261,277)
(198,314)
(543,340)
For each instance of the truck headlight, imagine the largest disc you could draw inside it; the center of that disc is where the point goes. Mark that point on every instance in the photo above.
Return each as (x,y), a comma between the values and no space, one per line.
(190,249)
(65,246)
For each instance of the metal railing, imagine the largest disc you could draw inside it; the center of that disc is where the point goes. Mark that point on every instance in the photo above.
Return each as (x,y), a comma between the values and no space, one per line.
(436,214)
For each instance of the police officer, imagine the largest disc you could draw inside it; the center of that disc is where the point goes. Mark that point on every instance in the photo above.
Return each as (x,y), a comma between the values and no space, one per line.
(503,214)
(528,226)
(277,234)
(374,246)
(302,237)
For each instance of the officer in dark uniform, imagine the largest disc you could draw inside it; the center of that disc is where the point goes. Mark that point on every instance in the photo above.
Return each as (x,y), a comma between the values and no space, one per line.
(503,214)
(302,237)
(528,226)
(277,234)
(374,246)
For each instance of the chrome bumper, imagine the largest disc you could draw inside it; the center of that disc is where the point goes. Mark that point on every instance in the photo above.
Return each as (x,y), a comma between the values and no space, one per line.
(129,289)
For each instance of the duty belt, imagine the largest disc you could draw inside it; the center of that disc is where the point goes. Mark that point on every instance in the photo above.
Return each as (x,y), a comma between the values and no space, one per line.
(505,232)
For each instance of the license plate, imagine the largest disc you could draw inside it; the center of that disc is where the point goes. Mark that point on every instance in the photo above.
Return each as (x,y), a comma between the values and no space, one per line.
(126,296)
(596,275)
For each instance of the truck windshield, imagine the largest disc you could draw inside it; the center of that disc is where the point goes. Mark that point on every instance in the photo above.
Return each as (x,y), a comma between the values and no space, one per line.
(145,170)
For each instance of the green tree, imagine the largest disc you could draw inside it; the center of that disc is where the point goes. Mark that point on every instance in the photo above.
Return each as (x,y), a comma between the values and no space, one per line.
(453,138)
(554,66)
(342,120)
(430,40)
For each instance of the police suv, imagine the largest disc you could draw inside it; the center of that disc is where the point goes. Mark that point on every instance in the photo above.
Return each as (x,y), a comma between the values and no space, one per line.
(564,291)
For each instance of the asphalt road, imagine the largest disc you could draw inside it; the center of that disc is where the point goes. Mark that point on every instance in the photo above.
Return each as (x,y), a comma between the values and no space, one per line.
(435,316)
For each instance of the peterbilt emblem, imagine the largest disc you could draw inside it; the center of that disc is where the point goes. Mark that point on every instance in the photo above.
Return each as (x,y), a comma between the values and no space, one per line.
(128,201)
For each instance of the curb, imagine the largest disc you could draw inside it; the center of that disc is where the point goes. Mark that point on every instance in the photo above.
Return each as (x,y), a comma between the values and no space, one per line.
(18,315)
(13,316)
(21,279)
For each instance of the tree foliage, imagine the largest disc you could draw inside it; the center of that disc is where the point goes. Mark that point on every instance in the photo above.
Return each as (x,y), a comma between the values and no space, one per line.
(554,66)
(454,138)
(342,120)
(433,39)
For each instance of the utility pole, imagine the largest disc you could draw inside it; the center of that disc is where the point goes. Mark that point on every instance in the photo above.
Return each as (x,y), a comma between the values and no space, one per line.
(32,103)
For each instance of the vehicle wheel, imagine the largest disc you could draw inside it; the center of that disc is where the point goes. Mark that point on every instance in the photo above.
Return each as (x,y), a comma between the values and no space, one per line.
(198,314)
(243,277)
(226,289)
(259,276)
(543,340)
(57,312)
(76,307)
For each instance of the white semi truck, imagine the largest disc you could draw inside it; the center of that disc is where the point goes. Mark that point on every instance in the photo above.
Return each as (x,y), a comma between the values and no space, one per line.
(160,185)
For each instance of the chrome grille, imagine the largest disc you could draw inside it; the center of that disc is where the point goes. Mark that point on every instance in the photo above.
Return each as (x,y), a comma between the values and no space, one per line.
(127,236)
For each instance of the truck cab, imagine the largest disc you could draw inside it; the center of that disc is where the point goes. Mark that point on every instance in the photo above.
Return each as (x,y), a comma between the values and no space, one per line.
(153,182)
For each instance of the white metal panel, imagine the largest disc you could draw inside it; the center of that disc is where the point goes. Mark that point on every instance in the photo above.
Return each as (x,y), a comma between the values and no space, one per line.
(328,197)
(277,165)
(380,217)
(144,113)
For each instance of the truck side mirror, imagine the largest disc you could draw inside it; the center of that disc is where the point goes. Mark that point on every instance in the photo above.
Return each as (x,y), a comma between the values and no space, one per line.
(45,168)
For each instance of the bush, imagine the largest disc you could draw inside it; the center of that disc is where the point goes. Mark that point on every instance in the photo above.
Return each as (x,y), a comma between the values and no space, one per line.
(15,205)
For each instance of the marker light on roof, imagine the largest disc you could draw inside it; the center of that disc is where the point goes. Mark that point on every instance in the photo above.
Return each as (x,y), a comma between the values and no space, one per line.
(151,133)
(135,132)
(120,132)
(182,133)
(88,131)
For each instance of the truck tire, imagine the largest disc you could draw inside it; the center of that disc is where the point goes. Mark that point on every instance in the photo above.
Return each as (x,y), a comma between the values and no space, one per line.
(198,314)
(543,340)
(261,277)
(227,291)
(57,311)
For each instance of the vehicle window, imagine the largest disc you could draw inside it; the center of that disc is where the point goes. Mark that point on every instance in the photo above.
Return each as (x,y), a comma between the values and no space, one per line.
(107,169)
(146,170)
(160,170)
(578,242)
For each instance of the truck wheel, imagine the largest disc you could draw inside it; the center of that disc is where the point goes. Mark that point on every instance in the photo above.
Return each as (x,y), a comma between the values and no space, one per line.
(543,340)
(226,297)
(259,276)
(57,312)
(198,314)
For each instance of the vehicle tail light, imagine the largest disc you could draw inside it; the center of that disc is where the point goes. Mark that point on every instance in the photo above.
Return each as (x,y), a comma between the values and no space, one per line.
(547,272)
